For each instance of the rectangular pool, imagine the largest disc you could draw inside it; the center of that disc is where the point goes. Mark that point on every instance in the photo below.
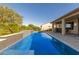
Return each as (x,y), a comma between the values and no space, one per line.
(39,43)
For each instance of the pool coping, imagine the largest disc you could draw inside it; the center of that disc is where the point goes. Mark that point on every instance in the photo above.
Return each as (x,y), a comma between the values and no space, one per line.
(64,42)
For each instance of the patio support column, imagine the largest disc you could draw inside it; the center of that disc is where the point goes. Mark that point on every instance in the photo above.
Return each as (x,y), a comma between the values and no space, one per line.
(63,26)
(52,27)
(76,26)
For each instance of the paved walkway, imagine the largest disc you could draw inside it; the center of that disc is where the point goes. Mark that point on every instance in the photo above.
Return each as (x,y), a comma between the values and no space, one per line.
(71,40)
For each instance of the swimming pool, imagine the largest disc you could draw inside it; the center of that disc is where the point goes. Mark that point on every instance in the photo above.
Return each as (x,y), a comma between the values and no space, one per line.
(39,43)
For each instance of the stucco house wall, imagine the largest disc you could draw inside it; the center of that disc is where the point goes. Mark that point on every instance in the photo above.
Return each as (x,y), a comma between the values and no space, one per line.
(46,26)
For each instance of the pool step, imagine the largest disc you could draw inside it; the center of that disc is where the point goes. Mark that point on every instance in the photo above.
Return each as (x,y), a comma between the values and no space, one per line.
(30,52)
(17,52)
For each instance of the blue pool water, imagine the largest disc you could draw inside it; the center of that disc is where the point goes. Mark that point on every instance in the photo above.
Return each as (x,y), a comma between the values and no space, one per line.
(39,43)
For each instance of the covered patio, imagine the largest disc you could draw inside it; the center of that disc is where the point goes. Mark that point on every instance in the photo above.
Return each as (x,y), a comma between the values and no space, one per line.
(67,24)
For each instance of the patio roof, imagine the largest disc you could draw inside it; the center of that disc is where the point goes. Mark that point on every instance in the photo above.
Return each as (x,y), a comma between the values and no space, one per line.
(66,15)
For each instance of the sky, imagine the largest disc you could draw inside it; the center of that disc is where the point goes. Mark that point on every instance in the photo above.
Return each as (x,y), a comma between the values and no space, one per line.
(41,13)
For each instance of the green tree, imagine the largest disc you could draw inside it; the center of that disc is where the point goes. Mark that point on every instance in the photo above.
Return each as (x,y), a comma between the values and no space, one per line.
(23,27)
(32,27)
(10,19)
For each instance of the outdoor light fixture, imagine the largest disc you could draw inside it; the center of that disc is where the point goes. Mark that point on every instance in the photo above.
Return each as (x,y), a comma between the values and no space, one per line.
(75,24)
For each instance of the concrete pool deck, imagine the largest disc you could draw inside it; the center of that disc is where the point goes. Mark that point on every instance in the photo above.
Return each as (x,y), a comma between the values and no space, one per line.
(70,40)
(9,40)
